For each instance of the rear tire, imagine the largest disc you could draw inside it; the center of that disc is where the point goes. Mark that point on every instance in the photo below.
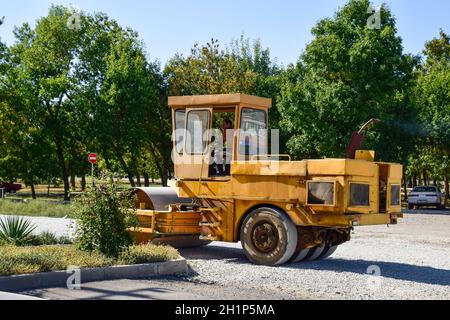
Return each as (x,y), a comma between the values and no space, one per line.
(315,253)
(300,256)
(327,252)
(268,237)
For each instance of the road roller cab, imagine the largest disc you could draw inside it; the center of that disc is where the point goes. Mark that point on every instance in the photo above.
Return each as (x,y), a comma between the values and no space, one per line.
(229,187)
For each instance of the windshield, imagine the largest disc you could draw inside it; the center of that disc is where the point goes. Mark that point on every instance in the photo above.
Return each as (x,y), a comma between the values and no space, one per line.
(424,189)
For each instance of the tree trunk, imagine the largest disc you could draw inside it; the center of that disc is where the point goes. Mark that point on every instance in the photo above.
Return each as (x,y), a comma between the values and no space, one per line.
(138,179)
(161,165)
(146,179)
(83,182)
(62,165)
(73,183)
(33,191)
(127,171)
(425,178)
(447,191)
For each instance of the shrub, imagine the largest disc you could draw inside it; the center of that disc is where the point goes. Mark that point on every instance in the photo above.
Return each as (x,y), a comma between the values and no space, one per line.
(48,238)
(146,254)
(15,230)
(103,216)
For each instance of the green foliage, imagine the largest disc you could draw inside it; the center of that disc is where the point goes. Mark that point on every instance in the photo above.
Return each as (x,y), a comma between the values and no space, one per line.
(103,216)
(432,96)
(438,49)
(66,92)
(147,253)
(242,67)
(347,75)
(71,91)
(15,230)
(47,239)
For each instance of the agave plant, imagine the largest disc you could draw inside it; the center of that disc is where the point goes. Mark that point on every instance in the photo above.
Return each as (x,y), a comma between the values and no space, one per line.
(16,230)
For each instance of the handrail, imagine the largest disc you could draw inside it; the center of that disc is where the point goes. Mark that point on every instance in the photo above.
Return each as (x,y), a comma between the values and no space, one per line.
(257,156)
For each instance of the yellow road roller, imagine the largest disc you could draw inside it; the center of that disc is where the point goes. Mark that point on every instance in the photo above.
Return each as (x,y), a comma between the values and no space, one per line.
(228,187)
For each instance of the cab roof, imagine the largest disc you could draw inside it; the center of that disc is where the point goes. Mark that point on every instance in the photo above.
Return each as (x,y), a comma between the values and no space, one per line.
(219,100)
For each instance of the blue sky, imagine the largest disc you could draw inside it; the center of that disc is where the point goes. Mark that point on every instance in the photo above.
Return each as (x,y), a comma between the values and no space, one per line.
(284,26)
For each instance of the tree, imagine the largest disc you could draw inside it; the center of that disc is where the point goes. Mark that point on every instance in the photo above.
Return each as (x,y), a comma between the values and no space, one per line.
(432,95)
(44,61)
(348,74)
(243,67)
(121,93)
(86,88)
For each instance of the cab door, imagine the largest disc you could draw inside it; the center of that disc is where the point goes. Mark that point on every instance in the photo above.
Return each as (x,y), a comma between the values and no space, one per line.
(196,154)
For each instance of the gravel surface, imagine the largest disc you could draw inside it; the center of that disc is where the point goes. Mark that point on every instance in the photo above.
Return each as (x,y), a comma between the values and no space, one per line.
(59,226)
(412,260)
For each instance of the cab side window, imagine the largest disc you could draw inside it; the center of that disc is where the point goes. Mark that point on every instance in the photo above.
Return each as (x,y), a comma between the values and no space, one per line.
(197,125)
(179,130)
(253,133)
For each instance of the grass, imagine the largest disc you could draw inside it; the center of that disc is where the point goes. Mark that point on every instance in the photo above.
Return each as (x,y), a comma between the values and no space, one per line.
(25,260)
(37,208)
(147,253)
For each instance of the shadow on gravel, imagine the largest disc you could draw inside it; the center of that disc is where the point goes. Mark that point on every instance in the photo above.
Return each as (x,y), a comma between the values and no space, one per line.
(394,270)
(214,252)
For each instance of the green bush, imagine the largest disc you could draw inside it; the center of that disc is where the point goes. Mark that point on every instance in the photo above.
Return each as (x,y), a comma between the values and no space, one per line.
(15,230)
(103,216)
(48,238)
(146,254)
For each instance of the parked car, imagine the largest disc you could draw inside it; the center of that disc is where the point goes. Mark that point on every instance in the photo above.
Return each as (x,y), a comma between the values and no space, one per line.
(426,196)
(11,187)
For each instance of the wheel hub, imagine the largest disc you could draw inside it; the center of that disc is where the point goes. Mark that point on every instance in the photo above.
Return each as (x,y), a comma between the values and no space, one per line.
(265,237)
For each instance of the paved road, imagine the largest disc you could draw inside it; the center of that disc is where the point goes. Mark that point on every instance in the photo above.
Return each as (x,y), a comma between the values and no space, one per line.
(413,259)
(13,296)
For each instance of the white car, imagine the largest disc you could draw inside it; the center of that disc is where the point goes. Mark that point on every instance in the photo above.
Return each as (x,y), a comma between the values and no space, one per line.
(425,196)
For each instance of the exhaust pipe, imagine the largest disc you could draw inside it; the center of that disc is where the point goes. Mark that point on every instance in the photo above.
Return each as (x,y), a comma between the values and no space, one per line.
(358,138)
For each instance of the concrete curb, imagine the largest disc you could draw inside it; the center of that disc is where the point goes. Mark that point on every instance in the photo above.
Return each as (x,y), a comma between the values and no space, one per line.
(59,278)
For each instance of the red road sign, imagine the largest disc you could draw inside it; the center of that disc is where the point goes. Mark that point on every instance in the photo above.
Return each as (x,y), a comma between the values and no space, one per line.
(92,158)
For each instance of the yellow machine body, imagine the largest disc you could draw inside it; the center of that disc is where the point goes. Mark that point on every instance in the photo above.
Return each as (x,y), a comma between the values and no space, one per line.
(316,195)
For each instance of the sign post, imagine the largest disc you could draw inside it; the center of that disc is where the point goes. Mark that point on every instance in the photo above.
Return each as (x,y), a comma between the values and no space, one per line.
(92,158)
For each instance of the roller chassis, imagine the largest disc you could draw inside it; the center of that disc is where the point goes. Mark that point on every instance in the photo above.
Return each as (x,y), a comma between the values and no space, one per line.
(280,211)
